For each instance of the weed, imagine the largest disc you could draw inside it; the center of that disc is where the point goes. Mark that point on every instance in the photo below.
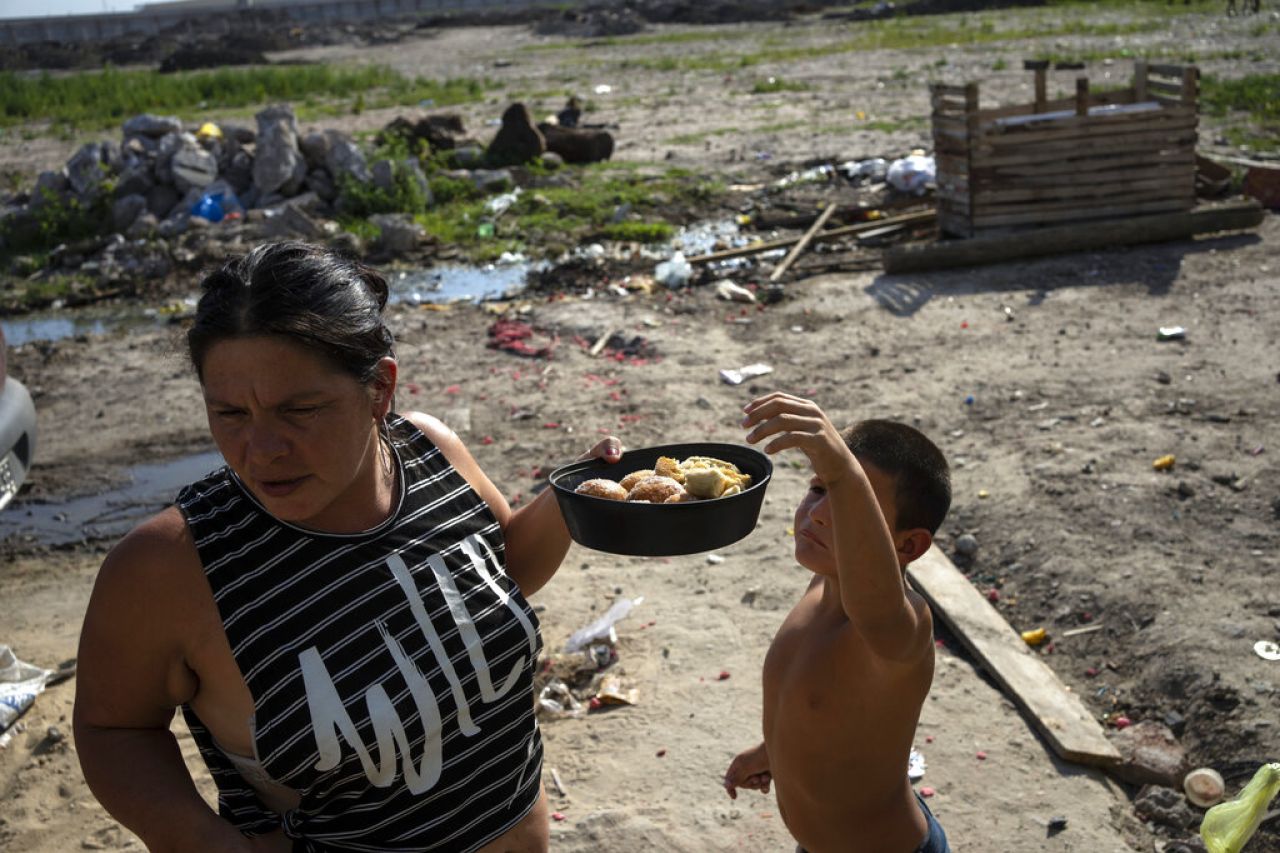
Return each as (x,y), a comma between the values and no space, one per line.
(638,232)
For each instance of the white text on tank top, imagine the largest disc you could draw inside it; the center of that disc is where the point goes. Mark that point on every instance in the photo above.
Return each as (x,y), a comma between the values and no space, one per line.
(329,717)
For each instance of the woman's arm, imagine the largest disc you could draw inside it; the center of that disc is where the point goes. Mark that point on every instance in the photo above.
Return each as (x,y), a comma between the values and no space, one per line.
(131,675)
(536,536)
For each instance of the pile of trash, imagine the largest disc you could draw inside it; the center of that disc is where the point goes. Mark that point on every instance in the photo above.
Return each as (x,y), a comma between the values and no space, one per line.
(584,675)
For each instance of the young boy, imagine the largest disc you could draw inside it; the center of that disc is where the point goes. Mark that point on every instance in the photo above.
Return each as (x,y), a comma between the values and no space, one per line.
(851,664)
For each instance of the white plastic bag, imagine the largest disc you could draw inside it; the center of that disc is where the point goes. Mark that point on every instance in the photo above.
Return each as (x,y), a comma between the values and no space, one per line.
(911,174)
(673,273)
(602,628)
(20,683)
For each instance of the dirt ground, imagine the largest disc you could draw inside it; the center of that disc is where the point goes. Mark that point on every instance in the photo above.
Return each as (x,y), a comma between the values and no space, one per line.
(1042,381)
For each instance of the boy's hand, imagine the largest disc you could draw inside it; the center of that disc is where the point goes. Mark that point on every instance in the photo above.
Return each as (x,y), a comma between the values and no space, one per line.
(750,769)
(796,422)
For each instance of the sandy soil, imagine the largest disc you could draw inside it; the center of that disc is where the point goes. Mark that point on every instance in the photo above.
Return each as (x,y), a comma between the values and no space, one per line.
(1072,399)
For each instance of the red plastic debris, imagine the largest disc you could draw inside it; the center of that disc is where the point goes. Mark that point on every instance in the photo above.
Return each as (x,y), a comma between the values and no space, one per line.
(595,703)
(488,439)
(511,336)
(557,815)
(724,673)
(551,425)
(927,792)
(993,595)
(964,324)
(1091,671)
(981,756)
(1121,722)
(453,389)
(661,752)
(928,738)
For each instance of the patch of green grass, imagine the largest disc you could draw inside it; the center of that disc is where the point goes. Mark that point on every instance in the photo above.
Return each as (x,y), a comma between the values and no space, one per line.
(56,220)
(1252,97)
(101,99)
(777,84)
(695,138)
(588,208)
(638,232)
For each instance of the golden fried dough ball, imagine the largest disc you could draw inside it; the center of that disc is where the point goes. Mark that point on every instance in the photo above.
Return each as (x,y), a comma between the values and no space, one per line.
(668,467)
(654,489)
(680,497)
(628,482)
(602,488)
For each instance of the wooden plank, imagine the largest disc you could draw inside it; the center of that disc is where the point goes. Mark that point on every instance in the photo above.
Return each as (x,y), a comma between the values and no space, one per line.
(1159,87)
(948,91)
(1091,190)
(1086,126)
(1056,713)
(1167,70)
(803,243)
(1236,215)
(1087,177)
(1077,213)
(1168,159)
(1000,144)
(917,218)
(1115,96)
(1112,146)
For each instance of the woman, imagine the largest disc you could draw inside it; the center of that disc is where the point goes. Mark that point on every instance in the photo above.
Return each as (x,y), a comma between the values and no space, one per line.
(339,612)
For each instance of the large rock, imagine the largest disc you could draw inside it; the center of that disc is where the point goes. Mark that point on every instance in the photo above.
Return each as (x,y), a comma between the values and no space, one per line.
(320,183)
(239,172)
(135,180)
(398,232)
(345,158)
(1150,754)
(152,126)
(86,170)
(50,187)
(126,211)
(384,175)
(276,156)
(144,226)
(161,198)
(518,141)
(578,145)
(193,168)
(288,221)
(442,132)
(297,180)
(167,149)
(315,148)
(409,166)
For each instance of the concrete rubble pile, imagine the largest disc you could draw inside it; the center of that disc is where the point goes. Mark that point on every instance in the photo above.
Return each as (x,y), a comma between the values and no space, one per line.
(209,191)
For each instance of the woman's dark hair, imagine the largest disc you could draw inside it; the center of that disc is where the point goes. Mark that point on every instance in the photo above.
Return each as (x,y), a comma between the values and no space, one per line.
(331,305)
(920,472)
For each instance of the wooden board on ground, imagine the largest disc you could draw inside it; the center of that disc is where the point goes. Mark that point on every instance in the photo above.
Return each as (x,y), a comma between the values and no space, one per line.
(1232,215)
(1056,713)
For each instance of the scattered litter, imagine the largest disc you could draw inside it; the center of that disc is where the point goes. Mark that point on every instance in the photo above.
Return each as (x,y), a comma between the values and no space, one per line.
(1204,787)
(1228,826)
(966,545)
(715,559)
(916,766)
(603,89)
(1121,721)
(602,628)
(732,292)
(980,755)
(1035,637)
(558,700)
(927,792)
(912,174)
(1267,650)
(20,683)
(723,676)
(611,692)
(557,816)
(674,272)
(1057,823)
(1165,463)
(512,336)
(742,374)
(500,204)
(1171,333)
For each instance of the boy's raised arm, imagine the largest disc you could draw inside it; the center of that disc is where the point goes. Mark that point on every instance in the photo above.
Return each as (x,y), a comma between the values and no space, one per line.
(866,553)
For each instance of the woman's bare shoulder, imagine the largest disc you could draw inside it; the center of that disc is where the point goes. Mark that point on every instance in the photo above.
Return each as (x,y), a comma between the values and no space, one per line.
(158,556)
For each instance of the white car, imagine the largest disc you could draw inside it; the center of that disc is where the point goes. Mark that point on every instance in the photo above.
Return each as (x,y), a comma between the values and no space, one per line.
(17,431)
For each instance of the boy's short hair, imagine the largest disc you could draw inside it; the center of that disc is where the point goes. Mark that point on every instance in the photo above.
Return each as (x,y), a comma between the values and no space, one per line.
(919,470)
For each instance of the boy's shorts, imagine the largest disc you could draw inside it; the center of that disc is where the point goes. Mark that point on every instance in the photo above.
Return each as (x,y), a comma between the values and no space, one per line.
(934,842)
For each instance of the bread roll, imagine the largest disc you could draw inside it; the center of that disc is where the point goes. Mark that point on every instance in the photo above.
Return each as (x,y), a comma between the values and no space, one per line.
(628,482)
(654,490)
(602,488)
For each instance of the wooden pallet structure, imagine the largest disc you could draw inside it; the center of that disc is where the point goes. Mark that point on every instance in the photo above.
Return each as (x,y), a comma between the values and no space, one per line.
(1093,156)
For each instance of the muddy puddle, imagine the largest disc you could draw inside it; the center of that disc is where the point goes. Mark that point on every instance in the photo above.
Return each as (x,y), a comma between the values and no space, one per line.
(110,514)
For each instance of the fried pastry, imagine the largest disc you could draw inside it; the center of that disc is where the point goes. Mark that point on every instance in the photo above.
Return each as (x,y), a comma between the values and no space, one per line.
(602,488)
(654,490)
(629,481)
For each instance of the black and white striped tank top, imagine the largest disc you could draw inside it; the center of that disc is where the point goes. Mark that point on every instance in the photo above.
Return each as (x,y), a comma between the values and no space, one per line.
(391,670)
